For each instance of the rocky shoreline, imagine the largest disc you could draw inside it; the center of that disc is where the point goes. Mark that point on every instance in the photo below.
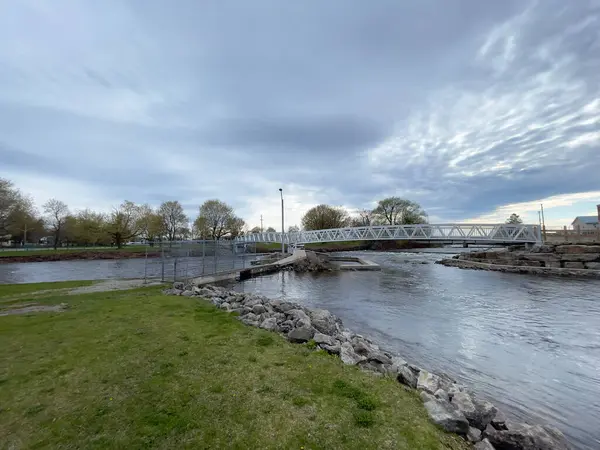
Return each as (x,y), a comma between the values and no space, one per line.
(560,260)
(448,403)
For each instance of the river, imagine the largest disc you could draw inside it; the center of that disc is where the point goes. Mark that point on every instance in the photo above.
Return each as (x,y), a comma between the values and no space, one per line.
(530,344)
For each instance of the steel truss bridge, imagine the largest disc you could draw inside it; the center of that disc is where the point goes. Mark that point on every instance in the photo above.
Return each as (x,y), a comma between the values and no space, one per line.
(448,233)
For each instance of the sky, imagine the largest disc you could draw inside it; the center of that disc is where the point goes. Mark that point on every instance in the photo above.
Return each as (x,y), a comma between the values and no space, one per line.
(475,109)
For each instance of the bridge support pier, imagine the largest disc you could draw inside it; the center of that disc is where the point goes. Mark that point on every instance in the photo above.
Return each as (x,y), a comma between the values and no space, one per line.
(465,245)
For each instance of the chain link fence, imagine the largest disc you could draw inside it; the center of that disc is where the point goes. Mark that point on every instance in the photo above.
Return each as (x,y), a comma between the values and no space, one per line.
(182,261)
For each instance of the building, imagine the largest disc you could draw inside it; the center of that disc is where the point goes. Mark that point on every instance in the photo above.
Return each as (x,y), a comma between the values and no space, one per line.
(587,223)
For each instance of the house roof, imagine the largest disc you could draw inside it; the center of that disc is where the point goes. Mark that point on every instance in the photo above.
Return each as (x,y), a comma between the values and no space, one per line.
(589,220)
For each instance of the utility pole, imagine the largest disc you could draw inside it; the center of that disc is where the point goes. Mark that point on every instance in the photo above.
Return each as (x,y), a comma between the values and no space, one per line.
(543,221)
(261,223)
(282,224)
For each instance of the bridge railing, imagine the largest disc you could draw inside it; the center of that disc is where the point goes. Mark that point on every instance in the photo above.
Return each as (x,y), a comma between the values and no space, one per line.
(499,233)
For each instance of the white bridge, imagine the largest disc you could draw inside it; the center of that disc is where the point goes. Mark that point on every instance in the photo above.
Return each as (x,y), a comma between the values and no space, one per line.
(448,233)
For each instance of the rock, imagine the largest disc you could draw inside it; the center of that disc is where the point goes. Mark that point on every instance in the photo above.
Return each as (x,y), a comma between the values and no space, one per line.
(408,375)
(582,257)
(301,334)
(362,348)
(441,394)
(592,265)
(380,358)
(179,285)
(333,349)
(454,389)
(443,414)
(187,294)
(474,435)
(203,292)
(300,318)
(286,326)
(321,338)
(397,362)
(349,356)
(428,382)
(240,311)
(527,437)
(484,445)
(578,249)
(226,306)
(426,396)
(269,324)
(479,413)
(282,307)
(499,421)
(372,366)
(258,309)
(323,321)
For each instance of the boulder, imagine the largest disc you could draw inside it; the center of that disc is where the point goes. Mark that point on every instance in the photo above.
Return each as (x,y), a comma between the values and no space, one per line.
(499,421)
(397,362)
(408,375)
(580,257)
(484,445)
(179,285)
(570,249)
(527,437)
(372,366)
(321,338)
(573,265)
(445,415)
(299,317)
(282,307)
(172,291)
(258,309)
(474,435)
(478,412)
(301,334)
(286,326)
(269,324)
(226,306)
(187,294)
(428,382)
(593,265)
(441,394)
(323,321)
(333,349)
(361,347)
(349,356)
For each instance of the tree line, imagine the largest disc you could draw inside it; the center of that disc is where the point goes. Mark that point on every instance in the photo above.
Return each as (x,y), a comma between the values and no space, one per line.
(21,222)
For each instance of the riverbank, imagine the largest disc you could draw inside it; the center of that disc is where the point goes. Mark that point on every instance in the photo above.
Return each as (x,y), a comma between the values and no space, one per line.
(449,404)
(135,369)
(579,260)
(72,255)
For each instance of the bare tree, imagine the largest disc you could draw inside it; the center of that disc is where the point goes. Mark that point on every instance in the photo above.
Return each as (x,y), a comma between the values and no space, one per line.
(293,229)
(173,218)
(124,223)
(322,217)
(56,217)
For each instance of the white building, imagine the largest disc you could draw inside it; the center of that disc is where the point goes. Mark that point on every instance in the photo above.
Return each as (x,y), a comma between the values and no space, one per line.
(587,223)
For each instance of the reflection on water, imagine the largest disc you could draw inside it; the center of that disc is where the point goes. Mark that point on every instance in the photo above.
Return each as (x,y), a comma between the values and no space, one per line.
(530,344)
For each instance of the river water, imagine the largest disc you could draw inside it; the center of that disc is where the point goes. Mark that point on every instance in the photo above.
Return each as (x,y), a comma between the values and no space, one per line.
(530,344)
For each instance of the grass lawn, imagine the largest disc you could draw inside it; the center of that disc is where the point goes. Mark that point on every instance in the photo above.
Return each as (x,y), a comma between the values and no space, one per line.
(37,251)
(137,369)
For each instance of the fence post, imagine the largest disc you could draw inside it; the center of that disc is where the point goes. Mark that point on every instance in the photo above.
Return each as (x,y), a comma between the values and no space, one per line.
(146,264)
(162,258)
(203,254)
(566,235)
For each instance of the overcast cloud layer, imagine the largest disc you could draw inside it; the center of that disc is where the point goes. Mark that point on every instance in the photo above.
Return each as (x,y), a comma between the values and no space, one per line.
(466,106)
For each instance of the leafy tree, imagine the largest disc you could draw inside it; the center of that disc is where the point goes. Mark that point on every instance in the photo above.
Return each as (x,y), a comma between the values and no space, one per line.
(323,217)
(271,230)
(214,218)
(57,213)
(255,230)
(293,229)
(151,225)
(124,223)
(235,227)
(88,228)
(399,211)
(17,214)
(514,219)
(173,218)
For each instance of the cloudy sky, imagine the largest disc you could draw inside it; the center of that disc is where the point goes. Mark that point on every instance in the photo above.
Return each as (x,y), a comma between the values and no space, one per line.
(473,108)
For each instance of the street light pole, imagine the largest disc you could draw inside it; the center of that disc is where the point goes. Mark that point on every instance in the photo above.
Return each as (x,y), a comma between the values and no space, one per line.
(282,224)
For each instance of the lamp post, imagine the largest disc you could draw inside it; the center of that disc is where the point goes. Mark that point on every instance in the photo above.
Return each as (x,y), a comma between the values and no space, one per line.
(282,224)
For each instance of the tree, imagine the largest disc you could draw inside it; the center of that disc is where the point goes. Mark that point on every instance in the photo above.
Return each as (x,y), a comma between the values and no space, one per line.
(173,218)
(293,229)
(399,211)
(255,230)
(322,217)
(88,228)
(124,223)
(235,227)
(214,219)
(514,219)
(18,217)
(150,224)
(57,213)
(363,219)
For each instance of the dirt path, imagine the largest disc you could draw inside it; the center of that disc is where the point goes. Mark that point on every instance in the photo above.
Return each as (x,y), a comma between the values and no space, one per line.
(112,285)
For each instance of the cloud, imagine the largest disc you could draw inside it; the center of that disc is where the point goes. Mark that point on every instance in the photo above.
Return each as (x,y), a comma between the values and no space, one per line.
(464,106)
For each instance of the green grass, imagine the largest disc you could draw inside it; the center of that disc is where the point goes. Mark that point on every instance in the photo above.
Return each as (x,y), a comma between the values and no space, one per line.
(37,252)
(136,370)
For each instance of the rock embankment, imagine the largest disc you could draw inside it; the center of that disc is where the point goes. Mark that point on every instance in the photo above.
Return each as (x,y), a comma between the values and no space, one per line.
(448,403)
(569,260)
